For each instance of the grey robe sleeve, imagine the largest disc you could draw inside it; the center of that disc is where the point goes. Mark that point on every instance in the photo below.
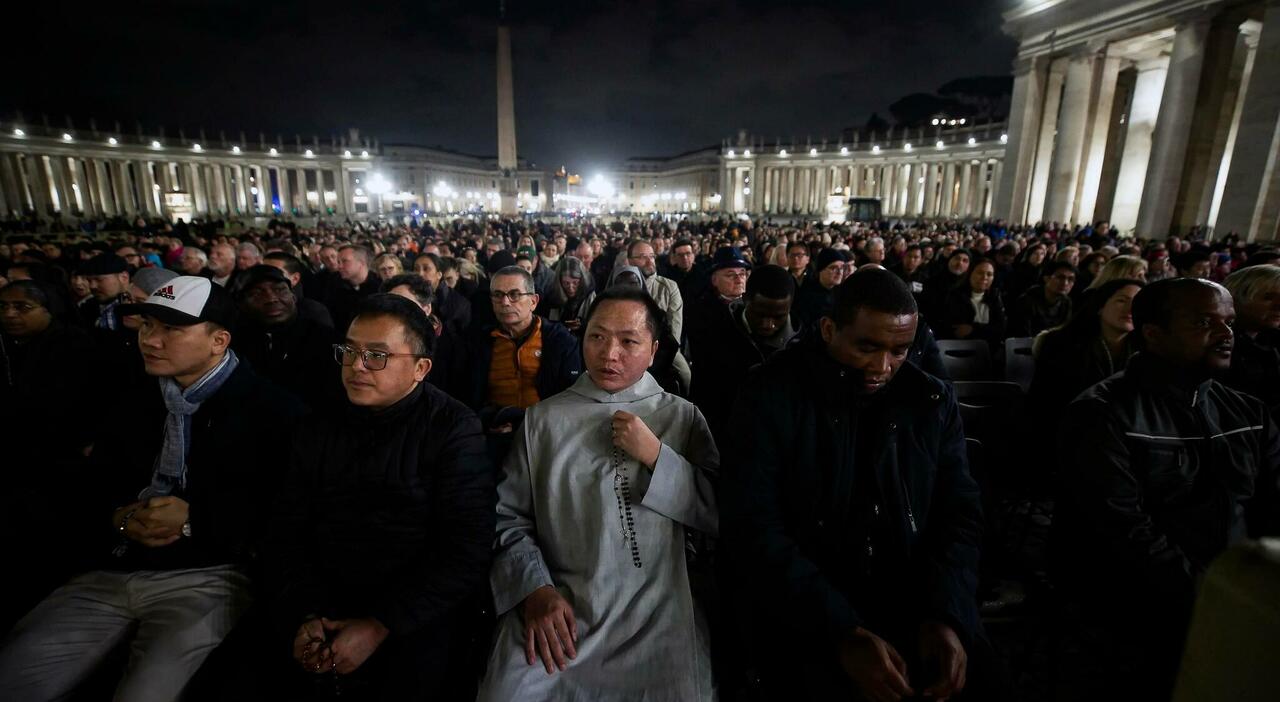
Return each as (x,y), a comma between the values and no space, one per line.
(518,566)
(682,487)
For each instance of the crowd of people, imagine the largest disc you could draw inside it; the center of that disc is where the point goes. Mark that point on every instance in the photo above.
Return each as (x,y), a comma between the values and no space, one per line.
(622,460)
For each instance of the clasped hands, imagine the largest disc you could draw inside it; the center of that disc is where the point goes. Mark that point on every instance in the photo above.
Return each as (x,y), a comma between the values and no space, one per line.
(880,673)
(153,522)
(340,645)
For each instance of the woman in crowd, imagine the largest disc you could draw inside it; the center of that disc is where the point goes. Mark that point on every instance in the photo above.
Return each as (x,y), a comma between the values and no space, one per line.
(973,308)
(1120,268)
(1090,268)
(570,296)
(940,284)
(1094,344)
(451,307)
(388,266)
(1026,271)
(1255,360)
(49,388)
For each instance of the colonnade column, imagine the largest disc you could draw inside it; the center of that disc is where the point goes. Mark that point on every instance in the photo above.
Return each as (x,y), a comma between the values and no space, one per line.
(1251,197)
(1169,145)
(1143,110)
(1068,149)
(1044,143)
(1029,82)
(1097,132)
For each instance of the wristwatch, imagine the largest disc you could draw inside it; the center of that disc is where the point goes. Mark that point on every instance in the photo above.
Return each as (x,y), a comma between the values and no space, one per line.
(186,529)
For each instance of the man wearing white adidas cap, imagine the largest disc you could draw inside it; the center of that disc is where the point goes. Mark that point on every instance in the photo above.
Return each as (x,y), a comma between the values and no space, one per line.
(177,483)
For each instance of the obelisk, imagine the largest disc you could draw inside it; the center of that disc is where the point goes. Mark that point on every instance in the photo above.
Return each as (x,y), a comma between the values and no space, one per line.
(506,119)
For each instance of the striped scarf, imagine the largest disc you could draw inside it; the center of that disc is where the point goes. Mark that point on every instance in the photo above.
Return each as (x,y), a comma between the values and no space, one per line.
(171,463)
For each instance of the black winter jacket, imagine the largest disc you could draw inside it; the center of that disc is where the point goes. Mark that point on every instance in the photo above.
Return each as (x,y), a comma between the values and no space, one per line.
(239,445)
(799,548)
(386,514)
(1156,480)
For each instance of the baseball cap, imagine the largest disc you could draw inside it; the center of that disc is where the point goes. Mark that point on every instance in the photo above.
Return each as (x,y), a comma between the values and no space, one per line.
(187,300)
(263,273)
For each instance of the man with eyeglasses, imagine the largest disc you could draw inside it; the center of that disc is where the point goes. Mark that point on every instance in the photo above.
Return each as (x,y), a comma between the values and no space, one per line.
(798,261)
(664,291)
(172,506)
(291,350)
(814,297)
(381,535)
(519,361)
(130,256)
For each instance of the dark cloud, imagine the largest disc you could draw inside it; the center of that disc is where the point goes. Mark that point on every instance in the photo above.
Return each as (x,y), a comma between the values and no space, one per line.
(595,81)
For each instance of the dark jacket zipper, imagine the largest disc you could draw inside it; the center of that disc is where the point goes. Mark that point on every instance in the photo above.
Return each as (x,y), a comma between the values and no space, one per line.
(906,500)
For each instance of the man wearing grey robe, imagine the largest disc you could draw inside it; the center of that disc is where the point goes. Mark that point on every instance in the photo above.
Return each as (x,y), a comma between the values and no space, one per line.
(580,515)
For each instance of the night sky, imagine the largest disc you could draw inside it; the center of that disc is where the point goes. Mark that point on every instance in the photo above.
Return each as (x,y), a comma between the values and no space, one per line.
(595,81)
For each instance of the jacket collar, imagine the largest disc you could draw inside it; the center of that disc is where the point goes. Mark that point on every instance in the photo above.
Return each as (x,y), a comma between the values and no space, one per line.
(385,415)
(838,384)
(1155,376)
(644,388)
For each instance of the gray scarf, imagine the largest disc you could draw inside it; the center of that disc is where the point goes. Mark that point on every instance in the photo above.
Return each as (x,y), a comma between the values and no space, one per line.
(171,463)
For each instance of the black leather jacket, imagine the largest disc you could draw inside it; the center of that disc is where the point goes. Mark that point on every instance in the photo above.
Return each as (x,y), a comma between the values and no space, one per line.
(1158,479)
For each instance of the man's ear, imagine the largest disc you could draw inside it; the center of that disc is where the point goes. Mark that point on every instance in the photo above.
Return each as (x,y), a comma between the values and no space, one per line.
(421,369)
(827,326)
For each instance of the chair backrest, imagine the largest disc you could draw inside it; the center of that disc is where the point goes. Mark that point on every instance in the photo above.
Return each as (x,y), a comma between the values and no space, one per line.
(987,393)
(966,359)
(1019,364)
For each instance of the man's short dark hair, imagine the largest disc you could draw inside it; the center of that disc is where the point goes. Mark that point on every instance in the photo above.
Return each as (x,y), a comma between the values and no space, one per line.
(361,252)
(655,318)
(1052,268)
(796,243)
(292,265)
(418,287)
(874,289)
(773,282)
(683,242)
(1187,259)
(1154,303)
(434,258)
(417,327)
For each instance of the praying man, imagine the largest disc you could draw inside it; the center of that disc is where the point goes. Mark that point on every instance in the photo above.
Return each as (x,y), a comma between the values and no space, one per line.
(590,578)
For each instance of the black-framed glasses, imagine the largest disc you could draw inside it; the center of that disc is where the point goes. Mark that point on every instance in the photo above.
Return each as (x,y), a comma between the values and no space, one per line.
(373,360)
(512,296)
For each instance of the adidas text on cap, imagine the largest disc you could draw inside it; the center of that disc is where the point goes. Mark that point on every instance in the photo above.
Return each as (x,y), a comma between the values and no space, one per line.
(187,300)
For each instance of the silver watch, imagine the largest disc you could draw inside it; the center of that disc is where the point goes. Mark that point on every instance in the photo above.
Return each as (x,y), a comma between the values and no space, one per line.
(186,529)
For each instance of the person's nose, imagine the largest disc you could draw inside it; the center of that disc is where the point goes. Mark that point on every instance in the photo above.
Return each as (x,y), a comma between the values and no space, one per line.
(877,366)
